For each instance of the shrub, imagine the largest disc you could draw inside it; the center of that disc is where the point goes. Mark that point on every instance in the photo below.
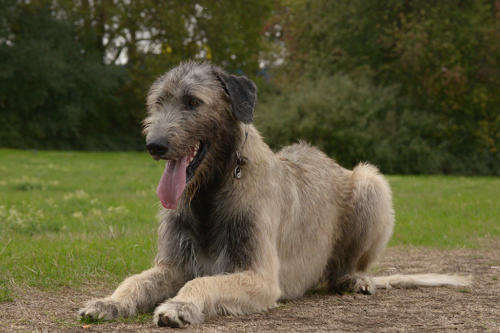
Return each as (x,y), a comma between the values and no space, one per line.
(355,120)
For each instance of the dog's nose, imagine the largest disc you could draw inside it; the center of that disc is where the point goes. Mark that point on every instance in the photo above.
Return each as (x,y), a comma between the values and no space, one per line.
(157,149)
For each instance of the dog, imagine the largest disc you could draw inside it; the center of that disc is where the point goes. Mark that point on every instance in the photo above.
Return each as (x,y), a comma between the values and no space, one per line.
(243,227)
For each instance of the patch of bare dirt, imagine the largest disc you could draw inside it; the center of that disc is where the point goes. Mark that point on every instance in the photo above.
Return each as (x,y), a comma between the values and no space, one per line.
(475,308)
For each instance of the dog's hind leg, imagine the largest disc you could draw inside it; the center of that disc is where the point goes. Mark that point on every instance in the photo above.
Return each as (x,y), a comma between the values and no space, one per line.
(366,228)
(356,283)
(137,294)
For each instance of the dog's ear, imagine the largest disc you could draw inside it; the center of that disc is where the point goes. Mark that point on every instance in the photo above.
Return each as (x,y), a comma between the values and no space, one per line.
(243,95)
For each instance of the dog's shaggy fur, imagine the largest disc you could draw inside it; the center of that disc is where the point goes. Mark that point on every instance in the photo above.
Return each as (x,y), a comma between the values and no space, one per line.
(291,221)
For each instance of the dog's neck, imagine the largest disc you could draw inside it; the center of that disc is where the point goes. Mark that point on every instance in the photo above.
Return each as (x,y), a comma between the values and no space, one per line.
(255,150)
(224,161)
(245,140)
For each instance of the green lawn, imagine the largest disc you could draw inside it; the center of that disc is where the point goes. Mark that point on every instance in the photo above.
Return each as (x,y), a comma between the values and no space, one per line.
(70,217)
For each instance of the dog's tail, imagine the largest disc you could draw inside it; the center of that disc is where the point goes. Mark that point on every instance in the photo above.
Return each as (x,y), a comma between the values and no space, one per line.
(421,280)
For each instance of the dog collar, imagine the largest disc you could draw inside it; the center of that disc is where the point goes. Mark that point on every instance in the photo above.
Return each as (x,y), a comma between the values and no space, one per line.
(240,160)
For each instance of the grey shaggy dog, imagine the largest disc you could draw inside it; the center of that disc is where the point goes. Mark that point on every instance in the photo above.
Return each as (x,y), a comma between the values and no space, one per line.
(243,227)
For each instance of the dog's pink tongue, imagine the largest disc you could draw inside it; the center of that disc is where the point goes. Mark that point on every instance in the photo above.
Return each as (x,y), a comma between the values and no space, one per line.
(172,182)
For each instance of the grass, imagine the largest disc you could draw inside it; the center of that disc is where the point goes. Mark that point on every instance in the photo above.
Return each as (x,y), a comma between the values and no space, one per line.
(445,211)
(68,217)
(73,217)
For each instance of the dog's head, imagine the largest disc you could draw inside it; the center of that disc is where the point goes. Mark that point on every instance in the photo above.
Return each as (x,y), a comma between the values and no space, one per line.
(194,116)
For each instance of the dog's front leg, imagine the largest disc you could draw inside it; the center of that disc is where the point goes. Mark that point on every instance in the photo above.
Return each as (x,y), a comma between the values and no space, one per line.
(137,294)
(237,293)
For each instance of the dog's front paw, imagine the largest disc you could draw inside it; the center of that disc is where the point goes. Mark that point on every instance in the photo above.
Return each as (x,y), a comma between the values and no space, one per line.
(177,314)
(103,308)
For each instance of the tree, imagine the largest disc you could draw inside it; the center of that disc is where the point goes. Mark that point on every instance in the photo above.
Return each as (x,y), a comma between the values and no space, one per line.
(443,57)
(88,64)
(50,84)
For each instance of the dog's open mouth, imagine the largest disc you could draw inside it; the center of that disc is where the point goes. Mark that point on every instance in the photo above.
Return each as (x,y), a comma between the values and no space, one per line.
(178,173)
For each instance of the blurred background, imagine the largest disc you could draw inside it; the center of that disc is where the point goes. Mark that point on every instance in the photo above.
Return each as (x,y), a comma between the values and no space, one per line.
(412,86)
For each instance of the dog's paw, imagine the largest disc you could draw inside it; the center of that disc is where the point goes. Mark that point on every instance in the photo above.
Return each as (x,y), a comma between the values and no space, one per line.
(355,283)
(177,314)
(101,309)
(365,285)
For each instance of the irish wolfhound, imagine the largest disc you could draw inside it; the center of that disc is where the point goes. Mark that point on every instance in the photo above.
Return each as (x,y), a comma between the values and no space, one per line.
(244,227)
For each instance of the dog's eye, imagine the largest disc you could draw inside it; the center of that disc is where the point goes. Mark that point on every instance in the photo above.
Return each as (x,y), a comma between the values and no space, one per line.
(192,102)
(159,101)
(162,99)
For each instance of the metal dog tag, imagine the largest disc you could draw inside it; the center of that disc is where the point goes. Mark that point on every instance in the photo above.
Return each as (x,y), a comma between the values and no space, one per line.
(237,172)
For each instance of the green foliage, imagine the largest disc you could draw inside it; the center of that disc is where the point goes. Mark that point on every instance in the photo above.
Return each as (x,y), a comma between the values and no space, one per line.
(86,217)
(411,86)
(5,293)
(451,67)
(443,56)
(353,121)
(75,73)
(333,112)
(49,84)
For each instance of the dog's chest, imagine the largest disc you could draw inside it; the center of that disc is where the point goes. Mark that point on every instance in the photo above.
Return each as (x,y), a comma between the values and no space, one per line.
(217,242)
